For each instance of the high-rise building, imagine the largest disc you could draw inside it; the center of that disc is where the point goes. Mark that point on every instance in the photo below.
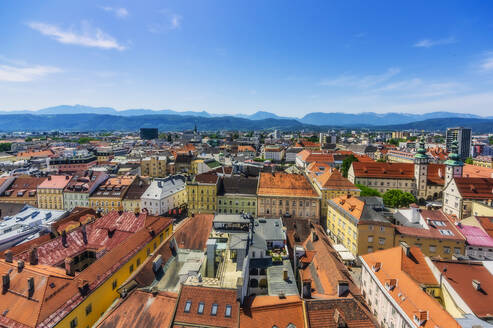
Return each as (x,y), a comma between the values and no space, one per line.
(463,138)
(149,133)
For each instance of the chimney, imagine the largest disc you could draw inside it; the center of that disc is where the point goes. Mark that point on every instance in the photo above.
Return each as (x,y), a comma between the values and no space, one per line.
(285,274)
(30,287)
(20,265)
(314,236)
(476,284)
(406,248)
(5,283)
(49,178)
(8,256)
(69,266)
(64,238)
(33,256)
(120,211)
(342,288)
(66,177)
(111,232)
(307,288)
(84,234)
(83,286)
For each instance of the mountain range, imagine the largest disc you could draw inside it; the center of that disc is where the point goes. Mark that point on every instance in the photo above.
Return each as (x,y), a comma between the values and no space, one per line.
(316,118)
(164,122)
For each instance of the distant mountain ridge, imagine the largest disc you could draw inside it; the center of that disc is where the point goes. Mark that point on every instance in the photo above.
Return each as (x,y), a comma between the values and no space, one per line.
(164,122)
(316,118)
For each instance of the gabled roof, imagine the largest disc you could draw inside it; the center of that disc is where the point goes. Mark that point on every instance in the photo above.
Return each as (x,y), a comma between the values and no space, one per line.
(475,236)
(333,179)
(487,224)
(407,292)
(208,296)
(329,313)
(475,188)
(55,182)
(436,172)
(141,309)
(460,276)
(270,311)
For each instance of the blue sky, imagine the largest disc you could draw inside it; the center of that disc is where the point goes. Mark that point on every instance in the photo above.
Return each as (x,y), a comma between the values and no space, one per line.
(287,57)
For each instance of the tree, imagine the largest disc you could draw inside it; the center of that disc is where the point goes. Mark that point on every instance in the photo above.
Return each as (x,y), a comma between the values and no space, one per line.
(28,139)
(313,139)
(5,146)
(490,140)
(367,191)
(468,160)
(84,140)
(346,164)
(397,198)
(381,160)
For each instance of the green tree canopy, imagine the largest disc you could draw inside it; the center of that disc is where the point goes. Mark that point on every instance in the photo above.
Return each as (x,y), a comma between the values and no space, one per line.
(346,164)
(397,198)
(5,146)
(367,191)
(468,160)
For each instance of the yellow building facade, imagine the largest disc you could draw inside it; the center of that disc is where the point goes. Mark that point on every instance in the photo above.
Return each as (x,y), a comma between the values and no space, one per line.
(50,192)
(202,193)
(154,166)
(361,230)
(94,306)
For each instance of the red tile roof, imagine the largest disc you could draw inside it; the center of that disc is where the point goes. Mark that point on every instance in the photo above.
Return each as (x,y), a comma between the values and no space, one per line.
(285,184)
(473,171)
(487,224)
(270,311)
(436,172)
(142,309)
(55,182)
(475,188)
(460,276)
(208,296)
(407,292)
(434,230)
(193,232)
(333,179)
(333,313)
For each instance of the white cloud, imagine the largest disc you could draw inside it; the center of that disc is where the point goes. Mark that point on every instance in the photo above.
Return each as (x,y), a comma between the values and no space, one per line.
(25,74)
(363,82)
(172,21)
(428,43)
(119,12)
(175,21)
(487,63)
(88,37)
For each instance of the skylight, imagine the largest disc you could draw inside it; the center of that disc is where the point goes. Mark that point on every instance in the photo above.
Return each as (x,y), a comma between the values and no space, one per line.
(228,311)
(214,309)
(188,305)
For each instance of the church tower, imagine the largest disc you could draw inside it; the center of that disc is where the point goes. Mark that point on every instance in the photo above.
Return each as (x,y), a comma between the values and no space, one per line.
(421,161)
(453,165)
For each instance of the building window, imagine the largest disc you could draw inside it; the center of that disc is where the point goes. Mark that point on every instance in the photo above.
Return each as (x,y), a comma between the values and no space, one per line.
(456,250)
(446,249)
(433,248)
(214,309)
(381,241)
(131,269)
(228,311)
(188,305)
(138,262)
(88,309)
(113,285)
(370,249)
(73,323)
(370,239)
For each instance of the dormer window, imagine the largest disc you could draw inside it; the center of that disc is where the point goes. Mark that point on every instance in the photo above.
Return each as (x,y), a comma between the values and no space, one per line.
(188,305)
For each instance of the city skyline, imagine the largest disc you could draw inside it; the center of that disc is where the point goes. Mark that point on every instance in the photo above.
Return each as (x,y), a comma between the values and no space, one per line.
(286,58)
